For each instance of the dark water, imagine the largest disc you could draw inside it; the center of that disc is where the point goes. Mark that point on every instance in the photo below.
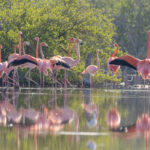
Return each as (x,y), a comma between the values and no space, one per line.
(79,121)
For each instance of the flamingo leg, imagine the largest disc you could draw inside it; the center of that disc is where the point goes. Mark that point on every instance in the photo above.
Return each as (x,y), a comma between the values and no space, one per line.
(40,79)
(54,78)
(29,80)
(27,77)
(7,78)
(67,81)
(43,81)
(16,77)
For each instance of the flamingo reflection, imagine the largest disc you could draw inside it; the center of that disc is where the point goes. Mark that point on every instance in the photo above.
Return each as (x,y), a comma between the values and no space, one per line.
(113,118)
(90,109)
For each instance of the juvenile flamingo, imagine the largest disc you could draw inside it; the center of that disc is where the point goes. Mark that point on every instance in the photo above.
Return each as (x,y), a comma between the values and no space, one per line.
(113,68)
(92,69)
(141,66)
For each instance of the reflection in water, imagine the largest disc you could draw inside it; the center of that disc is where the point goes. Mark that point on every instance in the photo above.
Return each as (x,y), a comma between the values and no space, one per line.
(113,118)
(141,127)
(91,145)
(50,119)
(90,109)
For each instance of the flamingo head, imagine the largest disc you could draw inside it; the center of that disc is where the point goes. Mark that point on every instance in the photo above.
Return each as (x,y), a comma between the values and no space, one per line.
(80,41)
(20,32)
(72,38)
(36,38)
(44,44)
(26,43)
(116,45)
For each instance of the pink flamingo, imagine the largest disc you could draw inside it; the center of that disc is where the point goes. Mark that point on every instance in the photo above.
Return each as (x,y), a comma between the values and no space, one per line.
(31,66)
(69,60)
(10,58)
(113,68)
(141,66)
(72,62)
(92,69)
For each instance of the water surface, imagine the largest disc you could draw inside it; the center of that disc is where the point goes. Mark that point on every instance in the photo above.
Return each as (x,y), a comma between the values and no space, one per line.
(84,125)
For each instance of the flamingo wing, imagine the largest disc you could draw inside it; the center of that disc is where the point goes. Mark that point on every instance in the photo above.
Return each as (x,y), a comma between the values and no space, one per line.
(62,63)
(59,62)
(126,60)
(18,62)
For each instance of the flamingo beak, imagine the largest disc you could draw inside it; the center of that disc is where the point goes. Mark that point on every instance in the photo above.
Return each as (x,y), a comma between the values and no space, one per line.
(46,45)
(27,43)
(80,41)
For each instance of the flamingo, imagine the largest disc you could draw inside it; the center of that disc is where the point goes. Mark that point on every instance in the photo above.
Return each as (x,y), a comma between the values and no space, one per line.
(72,62)
(13,56)
(92,69)
(69,60)
(113,68)
(29,65)
(141,66)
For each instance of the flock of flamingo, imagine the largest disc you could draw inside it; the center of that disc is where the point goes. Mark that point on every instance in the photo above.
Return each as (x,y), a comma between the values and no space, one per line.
(47,66)
(55,63)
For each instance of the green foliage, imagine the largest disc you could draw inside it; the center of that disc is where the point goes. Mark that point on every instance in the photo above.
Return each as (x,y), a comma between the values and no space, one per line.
(55,22)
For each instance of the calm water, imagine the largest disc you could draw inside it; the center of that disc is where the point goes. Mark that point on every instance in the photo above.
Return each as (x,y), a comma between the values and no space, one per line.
(79,122)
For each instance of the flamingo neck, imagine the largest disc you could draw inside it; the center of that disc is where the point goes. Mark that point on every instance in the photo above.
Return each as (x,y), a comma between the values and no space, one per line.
(37,47)
(98,62)
(41,52)
(19,44)
(148,44)
(0,55)
(115,51)
(69,46)
(24,49)
(77,49)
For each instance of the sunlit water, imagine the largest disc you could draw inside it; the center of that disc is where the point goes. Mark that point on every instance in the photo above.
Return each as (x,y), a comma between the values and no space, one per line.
(87,126)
